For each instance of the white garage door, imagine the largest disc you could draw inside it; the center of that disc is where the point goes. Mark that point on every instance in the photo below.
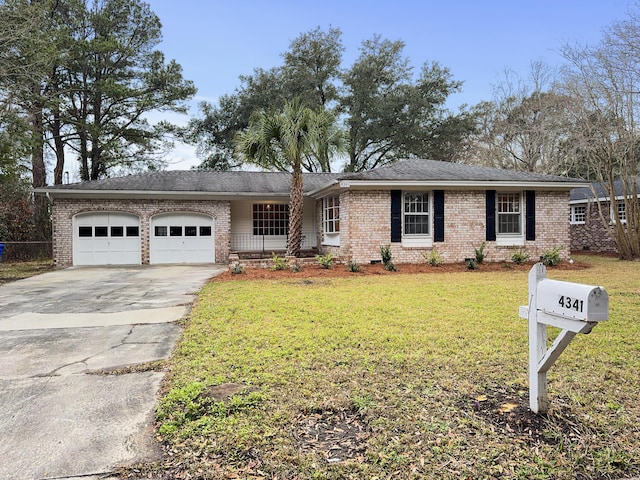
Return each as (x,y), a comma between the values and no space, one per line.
(106,239)
(181,238)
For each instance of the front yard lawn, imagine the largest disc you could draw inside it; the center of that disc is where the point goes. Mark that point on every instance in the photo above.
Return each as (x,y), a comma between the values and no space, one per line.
(399,376)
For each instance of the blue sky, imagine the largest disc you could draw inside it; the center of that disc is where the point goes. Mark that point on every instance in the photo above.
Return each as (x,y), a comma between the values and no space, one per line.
(217,41)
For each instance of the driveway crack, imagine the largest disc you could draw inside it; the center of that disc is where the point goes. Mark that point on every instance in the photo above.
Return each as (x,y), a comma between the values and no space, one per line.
(54,373)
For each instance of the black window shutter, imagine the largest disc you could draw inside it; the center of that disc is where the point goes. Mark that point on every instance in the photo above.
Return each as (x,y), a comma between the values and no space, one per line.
(396,215)
(491,215)
(531,215)
(438,215)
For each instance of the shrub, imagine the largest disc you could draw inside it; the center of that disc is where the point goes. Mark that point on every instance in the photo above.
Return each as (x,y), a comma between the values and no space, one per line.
(353,267)
(479,253)
(433,258)
(471,263)
(551,257)
(279,263)
(237,269)
(519,256)
(295,268)
(385,253)
(325,260)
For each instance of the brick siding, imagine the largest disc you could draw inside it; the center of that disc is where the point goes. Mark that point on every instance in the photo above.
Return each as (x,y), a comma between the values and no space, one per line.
(365,225)
(64,209)
(593,235)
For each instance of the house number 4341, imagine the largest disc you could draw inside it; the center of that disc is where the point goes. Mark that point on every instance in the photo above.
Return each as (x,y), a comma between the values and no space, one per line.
(570,303)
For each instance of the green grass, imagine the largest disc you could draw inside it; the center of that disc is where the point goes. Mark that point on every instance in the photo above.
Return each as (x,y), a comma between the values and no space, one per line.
(397,362)
(12,271)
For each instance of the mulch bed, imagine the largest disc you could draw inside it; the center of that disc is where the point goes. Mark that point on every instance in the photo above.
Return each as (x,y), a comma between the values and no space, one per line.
(340,270)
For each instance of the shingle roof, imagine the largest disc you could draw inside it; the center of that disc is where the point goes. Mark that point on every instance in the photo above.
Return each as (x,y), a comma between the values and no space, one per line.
(206,181)
(425,170)
(278,183)
(586,193)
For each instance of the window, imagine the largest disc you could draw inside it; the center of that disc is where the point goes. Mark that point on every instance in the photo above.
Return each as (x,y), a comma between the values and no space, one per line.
(133,231)
(101,231)
(509,221)
(190,231)
(331,214)
(205,231)
(175,231)
(85,231)
(117,231)
(416,214)
(622,211)
(161,231)
(578,214)
(270,219)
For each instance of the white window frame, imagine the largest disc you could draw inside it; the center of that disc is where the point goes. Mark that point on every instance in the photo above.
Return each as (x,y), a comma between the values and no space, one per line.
(622,211)
(331,220)
(575,216)
(509,239)
(417,239)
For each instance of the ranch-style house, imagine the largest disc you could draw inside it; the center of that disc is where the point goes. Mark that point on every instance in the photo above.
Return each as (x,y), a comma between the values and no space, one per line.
(414,206)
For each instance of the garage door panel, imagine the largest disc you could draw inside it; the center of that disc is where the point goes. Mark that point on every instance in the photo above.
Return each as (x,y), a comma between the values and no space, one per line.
(182,238)
(105,238)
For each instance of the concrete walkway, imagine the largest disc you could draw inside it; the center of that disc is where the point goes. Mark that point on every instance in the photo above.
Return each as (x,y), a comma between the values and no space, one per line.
(61,417)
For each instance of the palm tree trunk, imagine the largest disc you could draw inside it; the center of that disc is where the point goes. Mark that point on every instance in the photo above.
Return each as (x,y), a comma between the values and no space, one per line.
(295,214)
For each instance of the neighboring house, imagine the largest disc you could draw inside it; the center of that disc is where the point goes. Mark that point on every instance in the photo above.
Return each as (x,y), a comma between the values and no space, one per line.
(414,206)
(590,217)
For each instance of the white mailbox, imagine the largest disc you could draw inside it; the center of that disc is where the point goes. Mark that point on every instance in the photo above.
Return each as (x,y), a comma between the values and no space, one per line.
(572,307)
(573,300)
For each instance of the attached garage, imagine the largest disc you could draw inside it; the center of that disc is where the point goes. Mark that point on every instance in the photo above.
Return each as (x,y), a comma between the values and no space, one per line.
(106,238)
(181,238)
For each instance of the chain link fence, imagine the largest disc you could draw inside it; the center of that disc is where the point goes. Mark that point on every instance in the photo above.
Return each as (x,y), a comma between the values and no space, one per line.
(26,251)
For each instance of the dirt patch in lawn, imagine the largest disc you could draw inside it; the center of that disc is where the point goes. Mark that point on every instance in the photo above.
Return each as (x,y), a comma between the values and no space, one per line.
(340,270)
(505,409)
(338,435)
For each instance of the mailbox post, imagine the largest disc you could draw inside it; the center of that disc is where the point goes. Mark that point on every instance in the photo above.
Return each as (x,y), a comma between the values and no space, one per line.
(572,307)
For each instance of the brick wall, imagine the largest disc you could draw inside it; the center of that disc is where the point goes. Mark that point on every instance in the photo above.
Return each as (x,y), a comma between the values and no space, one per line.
(64,209)
(365,226)
(593,235)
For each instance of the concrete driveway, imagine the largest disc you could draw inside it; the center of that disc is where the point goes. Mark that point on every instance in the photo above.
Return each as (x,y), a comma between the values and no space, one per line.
(60,415)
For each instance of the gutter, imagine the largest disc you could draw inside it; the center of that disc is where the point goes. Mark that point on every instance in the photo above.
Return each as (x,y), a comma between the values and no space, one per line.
(142,194)
(446,184)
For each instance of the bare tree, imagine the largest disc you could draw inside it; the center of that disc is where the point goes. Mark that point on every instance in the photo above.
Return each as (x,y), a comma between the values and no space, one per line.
(606,80)
(526,126)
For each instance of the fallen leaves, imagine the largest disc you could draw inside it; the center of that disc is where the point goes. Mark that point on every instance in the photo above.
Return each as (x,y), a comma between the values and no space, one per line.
(338,435)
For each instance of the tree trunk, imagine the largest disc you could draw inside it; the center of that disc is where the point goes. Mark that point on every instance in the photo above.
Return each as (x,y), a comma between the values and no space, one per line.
(84,155)
(295,213)
(38,171)
(56,130)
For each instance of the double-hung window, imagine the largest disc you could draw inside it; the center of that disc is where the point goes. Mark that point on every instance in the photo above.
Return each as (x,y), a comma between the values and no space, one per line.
(416,219)
(331,214)
(578,214)
(416,214)
(331,220)
(509,229)
(622,211)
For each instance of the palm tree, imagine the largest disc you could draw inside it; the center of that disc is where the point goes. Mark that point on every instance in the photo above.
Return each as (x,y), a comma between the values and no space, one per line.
(283,141)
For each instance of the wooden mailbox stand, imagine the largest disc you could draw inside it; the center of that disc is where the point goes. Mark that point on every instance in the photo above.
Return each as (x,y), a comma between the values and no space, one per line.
(572,307)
